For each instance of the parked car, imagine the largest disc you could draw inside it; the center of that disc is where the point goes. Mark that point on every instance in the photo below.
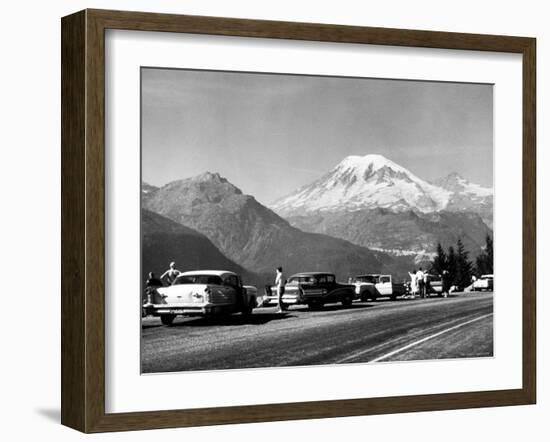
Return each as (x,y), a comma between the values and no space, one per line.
(374,286)
(202,293)
(483,283)
(314,289)
(435,285)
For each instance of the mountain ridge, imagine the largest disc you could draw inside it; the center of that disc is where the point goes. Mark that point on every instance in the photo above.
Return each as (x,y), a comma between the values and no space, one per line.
(252,235)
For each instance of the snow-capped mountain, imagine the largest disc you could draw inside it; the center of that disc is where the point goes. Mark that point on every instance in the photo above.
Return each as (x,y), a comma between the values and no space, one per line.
(373,202)
(366,182)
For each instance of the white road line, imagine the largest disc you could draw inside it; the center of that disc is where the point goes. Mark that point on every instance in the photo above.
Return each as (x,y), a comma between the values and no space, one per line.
(427,338)
(406,347)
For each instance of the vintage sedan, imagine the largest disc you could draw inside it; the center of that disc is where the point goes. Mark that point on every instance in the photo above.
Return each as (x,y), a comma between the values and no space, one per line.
(374,286)
(435,285)
(202,293)
(314,289)
(483,283)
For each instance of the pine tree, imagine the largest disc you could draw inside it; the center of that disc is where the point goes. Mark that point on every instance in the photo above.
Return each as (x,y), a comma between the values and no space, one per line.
(440,261)
(451,265)
(463,266)
(484,262)
(489,251)
(481,264)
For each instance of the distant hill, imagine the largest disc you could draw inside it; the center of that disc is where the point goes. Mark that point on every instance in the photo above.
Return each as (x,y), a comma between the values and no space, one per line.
(164,241)
(399,233)
(252,235)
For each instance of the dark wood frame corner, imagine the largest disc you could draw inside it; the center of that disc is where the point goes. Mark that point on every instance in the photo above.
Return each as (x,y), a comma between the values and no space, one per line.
(83,216)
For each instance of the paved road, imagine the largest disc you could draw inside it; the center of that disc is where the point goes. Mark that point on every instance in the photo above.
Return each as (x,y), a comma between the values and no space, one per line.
(458,326)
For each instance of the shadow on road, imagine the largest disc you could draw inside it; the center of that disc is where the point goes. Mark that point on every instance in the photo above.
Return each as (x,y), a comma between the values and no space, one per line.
(332,308)
(231,320)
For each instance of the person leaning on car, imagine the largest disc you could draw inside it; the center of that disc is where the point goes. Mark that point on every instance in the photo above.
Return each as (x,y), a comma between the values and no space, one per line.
(171,274)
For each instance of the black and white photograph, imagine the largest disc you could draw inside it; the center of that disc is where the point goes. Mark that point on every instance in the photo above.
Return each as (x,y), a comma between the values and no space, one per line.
(303,220)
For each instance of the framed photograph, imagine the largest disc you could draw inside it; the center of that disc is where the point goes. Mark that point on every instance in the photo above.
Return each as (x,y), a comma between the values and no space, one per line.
(267,221)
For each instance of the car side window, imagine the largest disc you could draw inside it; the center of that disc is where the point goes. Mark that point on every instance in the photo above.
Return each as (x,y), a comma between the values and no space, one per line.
(385,279)
(330,279)
(214,280)
(231,280)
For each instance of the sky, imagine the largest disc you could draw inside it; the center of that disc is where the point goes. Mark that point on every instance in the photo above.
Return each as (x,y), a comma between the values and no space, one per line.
(270,134)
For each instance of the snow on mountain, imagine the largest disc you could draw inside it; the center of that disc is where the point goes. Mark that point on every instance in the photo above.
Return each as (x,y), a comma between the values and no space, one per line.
(457,184)
(467,196)
(369,181)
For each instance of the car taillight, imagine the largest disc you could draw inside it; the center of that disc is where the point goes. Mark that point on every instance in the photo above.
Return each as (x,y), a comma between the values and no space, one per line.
(207,293)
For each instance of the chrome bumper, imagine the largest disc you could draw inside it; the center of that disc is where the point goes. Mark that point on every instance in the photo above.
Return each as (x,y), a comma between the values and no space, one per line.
(184,309)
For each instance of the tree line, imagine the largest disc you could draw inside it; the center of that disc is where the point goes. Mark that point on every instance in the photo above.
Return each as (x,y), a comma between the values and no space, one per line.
(457,262)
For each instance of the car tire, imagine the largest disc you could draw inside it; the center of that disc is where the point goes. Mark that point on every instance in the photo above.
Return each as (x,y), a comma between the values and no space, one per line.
(247,310)
(317,305)
(347,300)
(167,319)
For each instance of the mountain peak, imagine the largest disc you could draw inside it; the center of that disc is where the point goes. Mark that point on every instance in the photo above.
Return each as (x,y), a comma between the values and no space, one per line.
(455,175)
(212,184)
(209,176)
(365,182)
(374,161)
(147,188)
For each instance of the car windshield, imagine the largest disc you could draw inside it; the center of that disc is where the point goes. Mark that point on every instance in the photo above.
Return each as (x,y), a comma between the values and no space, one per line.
(198,279)
(367,278)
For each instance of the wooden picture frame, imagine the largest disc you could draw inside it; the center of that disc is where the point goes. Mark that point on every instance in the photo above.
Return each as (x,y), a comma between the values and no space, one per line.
(83,220)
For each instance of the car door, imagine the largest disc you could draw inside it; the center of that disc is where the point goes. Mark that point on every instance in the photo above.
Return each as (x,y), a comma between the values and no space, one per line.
(229,289)
(322,286)
(331,285)
(384,285)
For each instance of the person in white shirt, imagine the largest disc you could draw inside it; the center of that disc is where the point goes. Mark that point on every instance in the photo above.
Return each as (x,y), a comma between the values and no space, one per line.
(420,282)
(280,284)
